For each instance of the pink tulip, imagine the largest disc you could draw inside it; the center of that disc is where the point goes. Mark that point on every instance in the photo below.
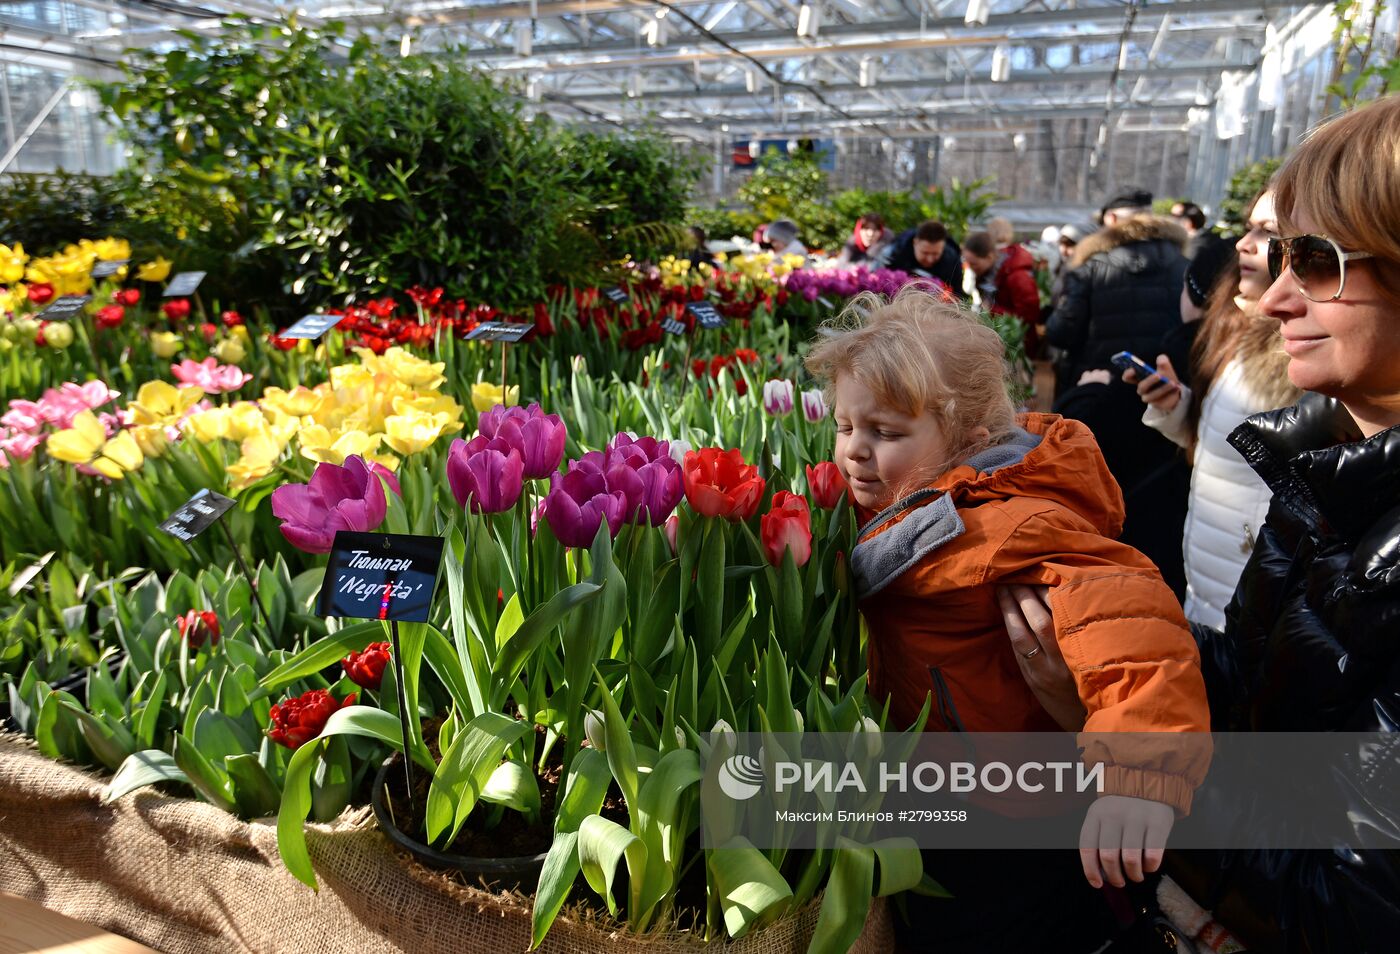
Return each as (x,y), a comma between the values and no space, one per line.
(210,376)
(777,397)
(485,474)
(673,529)
(348,497)
(658,486)
(538,436)
(20,446)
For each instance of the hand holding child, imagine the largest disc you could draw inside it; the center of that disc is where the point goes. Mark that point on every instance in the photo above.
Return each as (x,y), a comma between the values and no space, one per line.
(1123,837)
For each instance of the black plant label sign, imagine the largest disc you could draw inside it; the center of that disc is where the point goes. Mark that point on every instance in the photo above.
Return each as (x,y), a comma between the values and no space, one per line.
(673,326)
(706,314)
(507,331)
(312,327)
(197,515)
(183,285)
(381,576)
(63,309)
(108,269)
(616,295)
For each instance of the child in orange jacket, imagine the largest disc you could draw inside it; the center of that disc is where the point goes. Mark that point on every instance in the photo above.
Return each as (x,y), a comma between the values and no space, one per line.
(957,496)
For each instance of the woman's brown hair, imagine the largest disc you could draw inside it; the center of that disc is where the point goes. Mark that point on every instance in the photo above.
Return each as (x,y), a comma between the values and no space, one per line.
(1345,178)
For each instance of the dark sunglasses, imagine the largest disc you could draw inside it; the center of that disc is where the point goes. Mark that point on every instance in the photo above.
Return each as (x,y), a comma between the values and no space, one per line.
(1318,264)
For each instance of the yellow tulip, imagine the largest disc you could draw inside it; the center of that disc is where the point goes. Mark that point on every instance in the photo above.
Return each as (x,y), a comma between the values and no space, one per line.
(152,439)
(322,444)
(157,271)
(230,351)
(412,370)
(432,403)
(164,344)
(111,250)
(240,331)
(160,403)
(412,433)
(207,426)
(244,419)
(486,395)
(12,261)
(58,335)
(260,453)
(298,402)
(86,443)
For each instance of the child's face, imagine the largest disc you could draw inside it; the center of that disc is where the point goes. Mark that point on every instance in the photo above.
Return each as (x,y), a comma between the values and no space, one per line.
(881,451)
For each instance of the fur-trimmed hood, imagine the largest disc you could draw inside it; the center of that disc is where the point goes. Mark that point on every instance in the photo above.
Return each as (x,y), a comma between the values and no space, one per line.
(1139,228)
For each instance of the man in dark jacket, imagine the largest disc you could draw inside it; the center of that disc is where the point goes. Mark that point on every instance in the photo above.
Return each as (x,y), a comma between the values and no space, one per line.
(1124,292)
(928,250)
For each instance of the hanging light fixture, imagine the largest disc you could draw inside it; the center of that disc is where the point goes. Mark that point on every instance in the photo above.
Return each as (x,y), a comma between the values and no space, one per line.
(634,85)
(1001,64)
(977,12)
(753,80)
(524,39)
(869,67)
(655,32)
(809,21)
(405,45)
(1018,142)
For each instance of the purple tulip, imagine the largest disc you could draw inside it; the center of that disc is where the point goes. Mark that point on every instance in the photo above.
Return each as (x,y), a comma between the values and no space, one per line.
(538,436)
(654,484)
(579,501)
(348,497)
(486,475)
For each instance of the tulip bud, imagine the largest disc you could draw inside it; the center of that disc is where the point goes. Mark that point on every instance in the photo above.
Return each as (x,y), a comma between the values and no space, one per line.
(725,729)
(10,332)
(777,398)
(814,406)
(58,335)
(230,351)
(672,530)
(164,344)
(593,729)
(26,329)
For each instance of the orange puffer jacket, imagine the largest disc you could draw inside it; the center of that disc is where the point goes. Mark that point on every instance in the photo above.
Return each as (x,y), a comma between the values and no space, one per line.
(1039,508)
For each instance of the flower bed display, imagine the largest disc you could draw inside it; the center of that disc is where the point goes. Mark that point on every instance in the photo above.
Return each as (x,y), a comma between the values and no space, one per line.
(644,549)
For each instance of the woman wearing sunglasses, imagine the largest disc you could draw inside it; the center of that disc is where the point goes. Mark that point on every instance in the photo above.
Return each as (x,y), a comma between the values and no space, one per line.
(1312,637)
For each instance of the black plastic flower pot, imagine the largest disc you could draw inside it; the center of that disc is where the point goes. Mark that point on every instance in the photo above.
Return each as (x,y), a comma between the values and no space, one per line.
(522,873)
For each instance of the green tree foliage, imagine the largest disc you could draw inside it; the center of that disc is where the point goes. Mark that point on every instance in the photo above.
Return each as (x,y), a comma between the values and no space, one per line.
(1245,184)
(285,159)
(47,212)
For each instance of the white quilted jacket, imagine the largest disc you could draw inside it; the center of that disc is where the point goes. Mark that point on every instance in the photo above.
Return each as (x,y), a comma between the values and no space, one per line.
(1228,500)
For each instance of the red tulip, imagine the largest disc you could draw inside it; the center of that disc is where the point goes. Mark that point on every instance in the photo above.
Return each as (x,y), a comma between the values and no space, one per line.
(297,721)
(198,626)
(40,293)
(127,297)
(282,344)
(366,669)
(231,319)
(109,316)
(826,484)
(719,484)
(176,309)
(788,526)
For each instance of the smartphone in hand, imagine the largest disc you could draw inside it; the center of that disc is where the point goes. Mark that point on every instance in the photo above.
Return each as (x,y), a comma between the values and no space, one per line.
(1127,361)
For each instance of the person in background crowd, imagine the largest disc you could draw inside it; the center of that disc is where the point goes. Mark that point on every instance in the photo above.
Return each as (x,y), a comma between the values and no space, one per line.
(1069,238)
(1122,294)
(699,254)
(1310,641)
(1210,255)
(867,243)
(1006,282)
(1240,370)
(1124,290)
(782,236)
(1001,230)
(928,250)
(956,494)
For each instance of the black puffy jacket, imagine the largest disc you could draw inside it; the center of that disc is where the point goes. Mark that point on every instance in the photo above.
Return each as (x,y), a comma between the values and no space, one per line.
(1123,294)
(1312,644)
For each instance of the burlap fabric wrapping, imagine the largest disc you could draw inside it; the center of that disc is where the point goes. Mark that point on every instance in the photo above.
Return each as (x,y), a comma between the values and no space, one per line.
(185,878)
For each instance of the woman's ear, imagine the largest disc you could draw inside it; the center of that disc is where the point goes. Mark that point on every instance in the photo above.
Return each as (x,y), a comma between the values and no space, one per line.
(979,436)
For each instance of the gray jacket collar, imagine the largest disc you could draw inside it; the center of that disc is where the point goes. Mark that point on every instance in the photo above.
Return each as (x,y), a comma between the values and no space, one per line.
(880,558)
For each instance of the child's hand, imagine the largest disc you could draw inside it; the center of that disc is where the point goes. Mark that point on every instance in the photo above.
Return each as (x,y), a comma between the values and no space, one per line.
(1116,830)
